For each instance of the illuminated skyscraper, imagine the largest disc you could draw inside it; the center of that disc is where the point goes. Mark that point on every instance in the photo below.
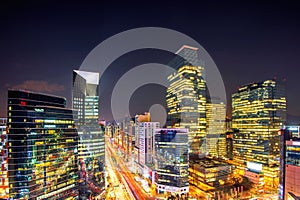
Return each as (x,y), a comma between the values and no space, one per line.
(186,97)
(139,144)
(4,187)
(91,135)
(216,133)
(171,160)
(145,148)
(86,97)
(258,112)
(42,147)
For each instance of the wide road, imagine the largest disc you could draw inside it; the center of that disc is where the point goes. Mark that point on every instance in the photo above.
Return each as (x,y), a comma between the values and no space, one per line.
(137,190)
(118,186)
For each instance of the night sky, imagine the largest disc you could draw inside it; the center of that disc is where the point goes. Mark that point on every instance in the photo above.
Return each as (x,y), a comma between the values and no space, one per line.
(43,41)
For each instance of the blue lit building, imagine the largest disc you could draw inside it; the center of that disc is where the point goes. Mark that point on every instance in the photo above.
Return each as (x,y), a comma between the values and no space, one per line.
(171,160)
(42,147)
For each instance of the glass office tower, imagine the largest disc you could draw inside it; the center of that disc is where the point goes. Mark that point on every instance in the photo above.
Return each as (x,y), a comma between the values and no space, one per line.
(258,112)
(186,97)
(171,160)
(42,147)
(216,132)
(91,135)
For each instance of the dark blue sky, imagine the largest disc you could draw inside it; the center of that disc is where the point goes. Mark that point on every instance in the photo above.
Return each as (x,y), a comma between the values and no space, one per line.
(43,41)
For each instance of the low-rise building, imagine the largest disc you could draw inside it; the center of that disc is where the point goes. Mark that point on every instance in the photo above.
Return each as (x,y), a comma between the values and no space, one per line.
(209,171)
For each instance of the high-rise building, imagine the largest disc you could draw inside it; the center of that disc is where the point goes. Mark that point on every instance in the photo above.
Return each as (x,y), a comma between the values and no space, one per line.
(171,160)
(91,135)
(289,187)
(216,137)
(258,112)
(117,134)
(229,139)
(145,148)
(86,97)
(128,127)
(109,130)
(42,147)
(128,124)
(4,187)
(229,144)
(186,97)
(139,119)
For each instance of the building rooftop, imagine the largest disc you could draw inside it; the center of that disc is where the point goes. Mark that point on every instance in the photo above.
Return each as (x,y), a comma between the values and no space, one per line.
(207,162)
(187,47)
(36,92)
(90,77)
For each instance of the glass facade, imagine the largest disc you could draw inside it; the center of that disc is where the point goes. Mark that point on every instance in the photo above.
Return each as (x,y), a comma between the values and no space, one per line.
(171,160)
(91,150)
(258,112)
(186,97)
(216,137)
(293,153)
(42,147)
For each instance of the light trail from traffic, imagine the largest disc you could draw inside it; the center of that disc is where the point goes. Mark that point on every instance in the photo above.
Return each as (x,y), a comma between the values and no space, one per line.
(135,188)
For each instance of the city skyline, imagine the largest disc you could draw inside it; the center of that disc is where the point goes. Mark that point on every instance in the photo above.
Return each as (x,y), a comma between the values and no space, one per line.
(245,44)
(150,100)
